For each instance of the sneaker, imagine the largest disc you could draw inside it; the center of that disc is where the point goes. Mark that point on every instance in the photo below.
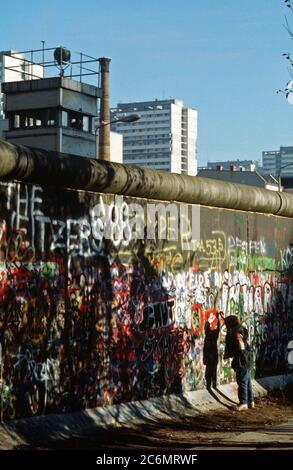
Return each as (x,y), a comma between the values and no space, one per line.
(242,407)
(251,405)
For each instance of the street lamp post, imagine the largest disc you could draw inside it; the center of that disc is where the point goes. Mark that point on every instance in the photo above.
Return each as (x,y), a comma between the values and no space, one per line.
(128,119)
(279,175)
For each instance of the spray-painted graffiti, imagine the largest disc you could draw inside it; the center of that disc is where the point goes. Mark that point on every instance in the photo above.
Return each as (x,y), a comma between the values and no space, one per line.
(91,316)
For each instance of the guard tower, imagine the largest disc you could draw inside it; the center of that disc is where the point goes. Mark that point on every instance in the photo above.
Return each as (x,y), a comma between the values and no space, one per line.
(56,112)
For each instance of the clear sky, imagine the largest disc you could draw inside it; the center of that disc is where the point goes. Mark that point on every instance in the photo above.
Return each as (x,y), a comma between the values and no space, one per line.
(222,57)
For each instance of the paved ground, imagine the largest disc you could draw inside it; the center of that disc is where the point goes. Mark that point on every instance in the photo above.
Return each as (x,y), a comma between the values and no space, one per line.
(268,426)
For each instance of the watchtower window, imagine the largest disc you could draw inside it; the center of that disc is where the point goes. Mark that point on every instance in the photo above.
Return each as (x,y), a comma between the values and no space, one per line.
(64,118)
(75,120)
(16,121)
(86,123)
(49,118)
(79,121)
(29,121)
(33,118)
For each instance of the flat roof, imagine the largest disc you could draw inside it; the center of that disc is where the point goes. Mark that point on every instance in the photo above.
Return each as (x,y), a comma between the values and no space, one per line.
(49,84)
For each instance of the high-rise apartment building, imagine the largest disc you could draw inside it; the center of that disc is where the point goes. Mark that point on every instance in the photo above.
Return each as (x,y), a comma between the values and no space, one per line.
(164,138)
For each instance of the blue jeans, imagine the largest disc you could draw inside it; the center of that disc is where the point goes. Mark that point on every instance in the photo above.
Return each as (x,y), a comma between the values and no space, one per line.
(243,379)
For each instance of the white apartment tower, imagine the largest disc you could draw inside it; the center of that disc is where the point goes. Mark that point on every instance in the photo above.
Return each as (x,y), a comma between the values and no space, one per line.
(14,68)
(164,138)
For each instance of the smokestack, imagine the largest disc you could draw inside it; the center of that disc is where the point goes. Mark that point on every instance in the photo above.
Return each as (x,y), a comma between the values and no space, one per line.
(104,130)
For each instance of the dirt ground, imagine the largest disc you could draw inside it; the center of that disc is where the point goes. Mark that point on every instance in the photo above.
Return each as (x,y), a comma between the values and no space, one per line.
(212,430)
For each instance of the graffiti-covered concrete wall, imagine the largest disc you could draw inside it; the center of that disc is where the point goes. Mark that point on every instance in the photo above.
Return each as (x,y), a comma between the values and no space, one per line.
(99,307)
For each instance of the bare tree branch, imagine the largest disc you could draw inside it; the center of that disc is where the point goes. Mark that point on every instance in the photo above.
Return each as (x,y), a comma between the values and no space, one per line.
(288,90)
(287,27)
(288,4)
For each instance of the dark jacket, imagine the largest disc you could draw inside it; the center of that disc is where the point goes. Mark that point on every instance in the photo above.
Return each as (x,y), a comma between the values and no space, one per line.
(238,348)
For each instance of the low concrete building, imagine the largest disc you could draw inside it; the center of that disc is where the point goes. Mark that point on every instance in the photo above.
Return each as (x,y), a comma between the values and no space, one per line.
(116,147)
(241,165)
(286,183)
(253,178)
